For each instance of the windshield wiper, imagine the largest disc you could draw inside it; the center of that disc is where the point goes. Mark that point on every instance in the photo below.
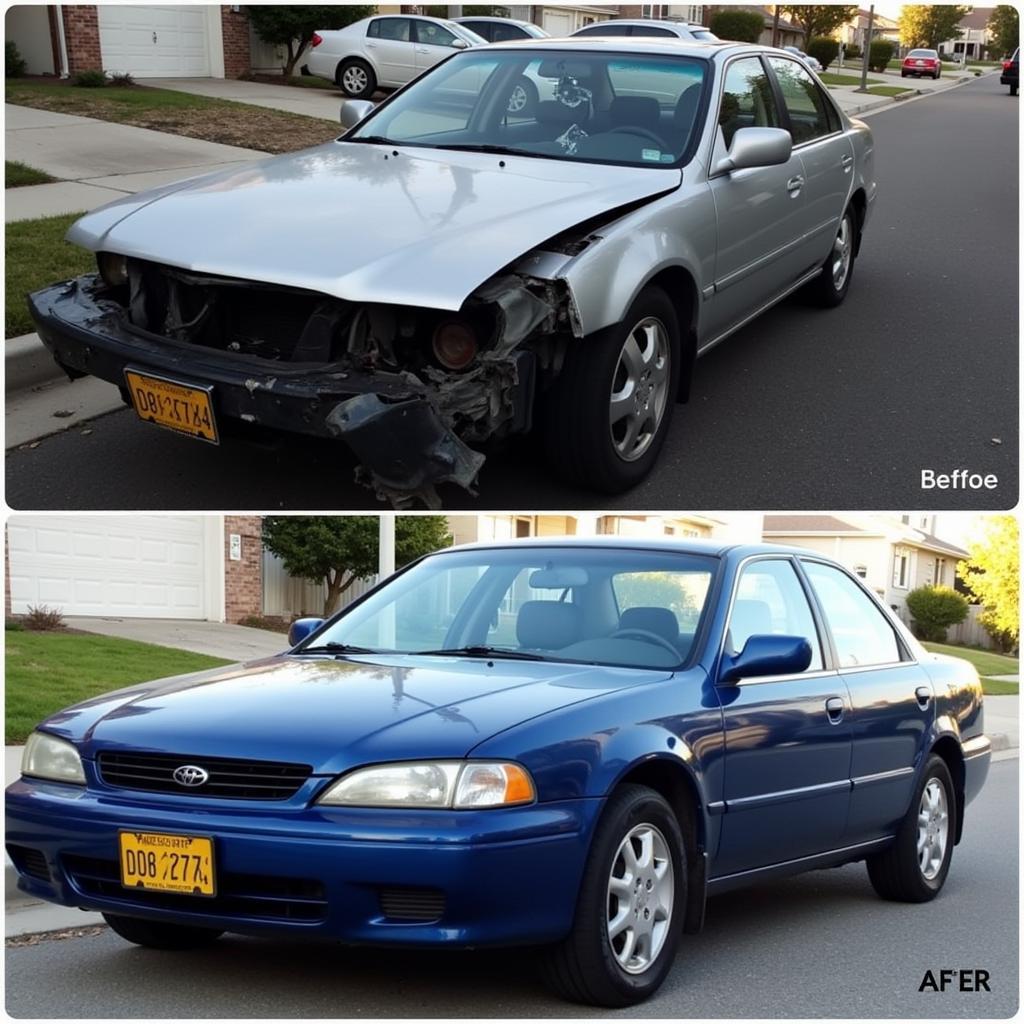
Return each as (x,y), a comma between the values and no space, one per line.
(481,651)
(382,140)
(336,648)
(484,147)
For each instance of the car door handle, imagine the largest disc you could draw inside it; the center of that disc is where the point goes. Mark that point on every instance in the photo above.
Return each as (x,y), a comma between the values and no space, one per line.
(834,708)
(371,46)
(422,50)
(847,162)
(924,696)
(795,184)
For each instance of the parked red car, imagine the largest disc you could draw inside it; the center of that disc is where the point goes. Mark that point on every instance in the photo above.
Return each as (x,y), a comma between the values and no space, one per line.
(921,62)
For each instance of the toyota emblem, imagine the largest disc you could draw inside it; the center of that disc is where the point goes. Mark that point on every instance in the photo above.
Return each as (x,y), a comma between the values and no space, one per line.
(190,775)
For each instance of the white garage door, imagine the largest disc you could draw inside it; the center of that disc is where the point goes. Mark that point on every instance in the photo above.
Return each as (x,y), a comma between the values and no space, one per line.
(155,42)
(137,567)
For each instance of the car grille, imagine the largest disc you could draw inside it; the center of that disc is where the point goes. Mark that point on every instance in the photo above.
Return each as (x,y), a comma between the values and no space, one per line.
(29,861)
(409,904)
(239,896)
(229,778)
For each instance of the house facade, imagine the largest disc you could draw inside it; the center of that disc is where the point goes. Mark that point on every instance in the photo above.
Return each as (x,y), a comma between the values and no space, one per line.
(974,36)
(855,31)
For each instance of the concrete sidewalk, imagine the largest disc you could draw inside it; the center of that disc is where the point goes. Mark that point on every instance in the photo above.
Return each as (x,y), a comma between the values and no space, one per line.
(217,639)
(1002,722)
(323,103)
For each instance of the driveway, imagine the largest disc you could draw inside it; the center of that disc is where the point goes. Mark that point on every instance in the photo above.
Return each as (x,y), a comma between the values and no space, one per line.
(325,103)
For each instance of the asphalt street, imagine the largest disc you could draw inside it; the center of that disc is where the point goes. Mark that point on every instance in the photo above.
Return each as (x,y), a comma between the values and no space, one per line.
(805,408)
(818,945)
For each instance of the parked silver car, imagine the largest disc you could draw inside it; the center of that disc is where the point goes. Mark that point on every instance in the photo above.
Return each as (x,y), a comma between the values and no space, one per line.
(650,27)
(447,273)
(502,30)
(385,52)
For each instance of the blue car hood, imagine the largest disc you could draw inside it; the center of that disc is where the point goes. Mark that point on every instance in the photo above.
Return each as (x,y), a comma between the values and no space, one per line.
(332,713)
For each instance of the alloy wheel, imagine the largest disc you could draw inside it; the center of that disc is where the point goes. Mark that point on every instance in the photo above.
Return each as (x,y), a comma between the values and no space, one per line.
(640,387)
(517,100)
(842,253)
(641,891)
(354,79)
(932,829)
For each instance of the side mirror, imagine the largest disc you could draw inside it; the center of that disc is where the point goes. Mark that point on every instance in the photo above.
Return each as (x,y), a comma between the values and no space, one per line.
(767,655)
(353,111)
(460,44)
(756,147)
(301,628)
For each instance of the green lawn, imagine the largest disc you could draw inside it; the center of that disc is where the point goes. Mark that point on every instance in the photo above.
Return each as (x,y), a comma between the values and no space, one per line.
(36,255)
(988,664)
(17,174)
(48,671)
(853,81)
(887,90)
(179,113)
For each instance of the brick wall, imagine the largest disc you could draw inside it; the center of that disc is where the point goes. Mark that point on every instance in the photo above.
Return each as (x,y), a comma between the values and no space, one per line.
(243,580)
(82,32)
(237,55)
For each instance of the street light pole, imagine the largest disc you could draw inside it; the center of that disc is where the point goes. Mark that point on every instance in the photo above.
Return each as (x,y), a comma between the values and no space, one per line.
(865,57)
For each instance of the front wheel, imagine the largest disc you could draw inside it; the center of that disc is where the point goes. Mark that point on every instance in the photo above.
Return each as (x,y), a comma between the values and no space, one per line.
(630,907)
(607,415)
(829,288)
(161,934)
(356,79)
(914,868)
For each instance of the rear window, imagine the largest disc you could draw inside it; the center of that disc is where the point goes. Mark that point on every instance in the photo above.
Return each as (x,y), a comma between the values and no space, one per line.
(923,53)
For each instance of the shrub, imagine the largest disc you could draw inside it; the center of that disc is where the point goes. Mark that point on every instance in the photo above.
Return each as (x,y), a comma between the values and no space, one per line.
(122,79)
(13,61)
(93,78)
(732,23)
(852,52)
(880,54)
(934,610)
(42,618)
(13,626)
(825,50)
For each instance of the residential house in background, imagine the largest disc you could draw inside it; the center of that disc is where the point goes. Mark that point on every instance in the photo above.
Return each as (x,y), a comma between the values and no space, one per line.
(974,36)
(790,34)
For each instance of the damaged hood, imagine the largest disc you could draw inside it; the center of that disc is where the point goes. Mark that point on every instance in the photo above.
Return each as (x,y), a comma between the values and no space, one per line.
(424,227)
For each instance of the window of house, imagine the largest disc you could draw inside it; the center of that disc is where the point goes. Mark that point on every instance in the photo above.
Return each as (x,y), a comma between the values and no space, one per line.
(861,571)
(901,568)
(939,572)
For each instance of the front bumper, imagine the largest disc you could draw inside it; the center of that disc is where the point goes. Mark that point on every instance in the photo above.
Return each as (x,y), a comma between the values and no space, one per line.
(499,877)
(389,420)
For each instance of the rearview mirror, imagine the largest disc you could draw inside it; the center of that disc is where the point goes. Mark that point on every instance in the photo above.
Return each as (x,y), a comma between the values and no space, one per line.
(301,628)
(756,147)
(353,111)
(767,655)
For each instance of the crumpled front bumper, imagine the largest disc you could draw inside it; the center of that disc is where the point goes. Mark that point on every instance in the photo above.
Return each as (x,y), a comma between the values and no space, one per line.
(390,420)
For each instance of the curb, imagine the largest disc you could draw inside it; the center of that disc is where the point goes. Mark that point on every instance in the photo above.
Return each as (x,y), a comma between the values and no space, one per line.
(27,364)
(1000,741)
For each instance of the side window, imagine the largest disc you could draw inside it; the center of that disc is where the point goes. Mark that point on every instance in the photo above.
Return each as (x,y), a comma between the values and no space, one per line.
(747,99)
(482,28)
(861,632)
(433,35)
(808,109)
(502,33)
(650,30)
(605,29)
(396,29)
(771,600)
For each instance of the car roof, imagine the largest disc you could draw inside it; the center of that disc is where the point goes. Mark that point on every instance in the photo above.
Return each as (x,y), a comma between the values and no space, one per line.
(639,44)
(491,17)
(655,22)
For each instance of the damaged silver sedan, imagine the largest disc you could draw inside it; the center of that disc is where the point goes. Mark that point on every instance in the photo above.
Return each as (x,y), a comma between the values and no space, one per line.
(449,272)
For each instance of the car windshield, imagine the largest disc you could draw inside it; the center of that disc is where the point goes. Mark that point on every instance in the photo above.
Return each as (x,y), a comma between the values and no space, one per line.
(636,110)
(594,605)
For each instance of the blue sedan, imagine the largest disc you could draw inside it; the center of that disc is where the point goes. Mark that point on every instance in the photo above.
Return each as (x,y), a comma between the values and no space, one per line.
(567,743)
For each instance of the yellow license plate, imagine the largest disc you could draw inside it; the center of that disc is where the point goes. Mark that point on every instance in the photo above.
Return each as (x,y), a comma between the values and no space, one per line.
(168,863)
(169,403)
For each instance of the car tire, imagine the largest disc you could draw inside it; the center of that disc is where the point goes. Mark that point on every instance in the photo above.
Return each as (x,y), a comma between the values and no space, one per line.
(591,965)
(1013,90)
(914,868)
(161,934)
(829,288)
(591,435)
(903,74)
(356,79)
(522,101)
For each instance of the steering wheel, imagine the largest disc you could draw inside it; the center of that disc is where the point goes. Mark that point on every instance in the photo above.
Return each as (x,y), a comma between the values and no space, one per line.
(637,130)
(645,634)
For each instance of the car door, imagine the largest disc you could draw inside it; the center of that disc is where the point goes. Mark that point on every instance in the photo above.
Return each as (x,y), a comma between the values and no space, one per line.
(892,701)
(825,150)
(759,210)
(787,738)
(433,43)
(390,44)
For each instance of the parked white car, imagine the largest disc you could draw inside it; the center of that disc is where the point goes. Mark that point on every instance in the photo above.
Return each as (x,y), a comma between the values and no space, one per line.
(649,28)
(385,52)
(502,30)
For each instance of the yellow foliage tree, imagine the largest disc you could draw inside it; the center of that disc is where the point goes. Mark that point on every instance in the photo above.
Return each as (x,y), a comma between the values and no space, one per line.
(992,574)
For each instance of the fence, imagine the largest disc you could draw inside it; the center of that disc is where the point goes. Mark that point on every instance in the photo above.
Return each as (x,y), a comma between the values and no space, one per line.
(970,631)
(289,597)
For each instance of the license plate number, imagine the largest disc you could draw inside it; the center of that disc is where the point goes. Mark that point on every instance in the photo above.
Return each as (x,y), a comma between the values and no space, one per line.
(168,863)
(173,404)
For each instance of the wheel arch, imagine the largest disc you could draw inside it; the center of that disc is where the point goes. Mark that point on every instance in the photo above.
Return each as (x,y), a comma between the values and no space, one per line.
(948,748)
(859,202)
(678,284)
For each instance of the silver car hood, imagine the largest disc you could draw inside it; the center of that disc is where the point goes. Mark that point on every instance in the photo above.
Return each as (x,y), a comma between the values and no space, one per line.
(424,227)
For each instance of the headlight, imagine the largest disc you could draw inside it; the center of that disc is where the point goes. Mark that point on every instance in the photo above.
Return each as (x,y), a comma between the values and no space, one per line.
(113,268)
(47,757)
(433,784)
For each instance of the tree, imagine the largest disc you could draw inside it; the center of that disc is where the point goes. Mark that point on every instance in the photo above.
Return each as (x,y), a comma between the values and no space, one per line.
(293,26)
(1004,24)
(935,609)
(820,19)
(338,550)
(824,50)
(931,24)
(737,24)
(991,573)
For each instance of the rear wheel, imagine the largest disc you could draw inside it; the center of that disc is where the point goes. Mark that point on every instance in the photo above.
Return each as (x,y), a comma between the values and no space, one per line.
(355,78)
(160,934)
(914,868)
(630,908)
(1013,90)
(829,288)
(522,100)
